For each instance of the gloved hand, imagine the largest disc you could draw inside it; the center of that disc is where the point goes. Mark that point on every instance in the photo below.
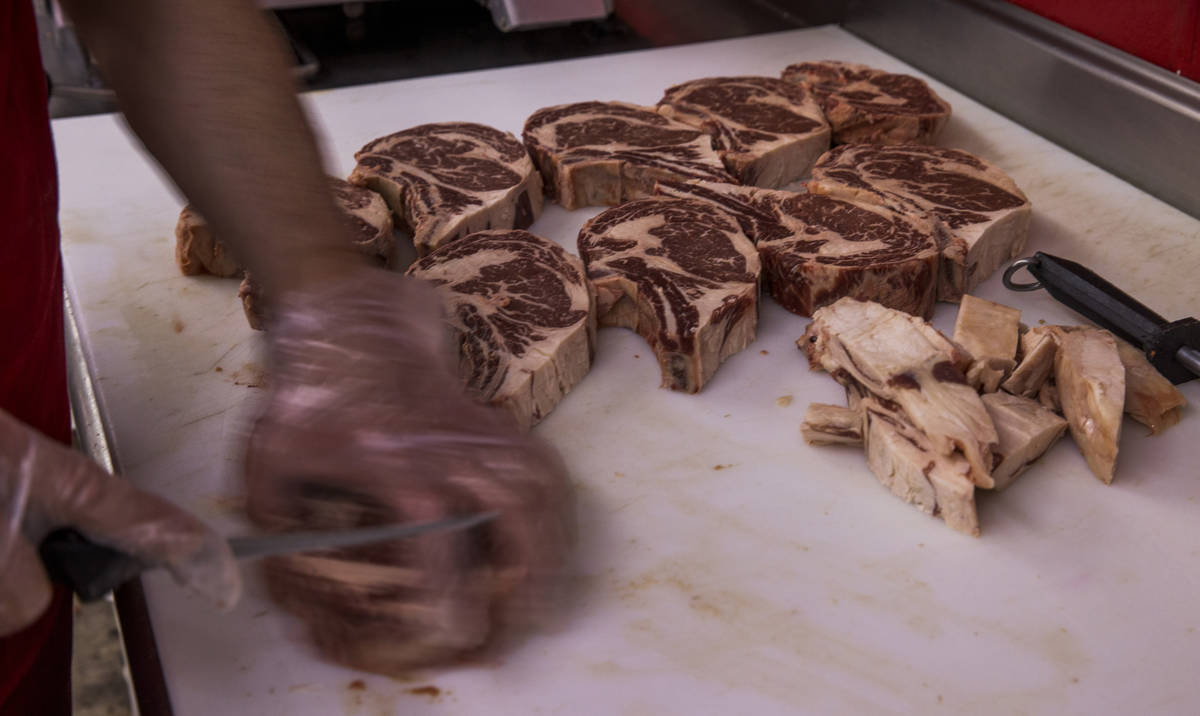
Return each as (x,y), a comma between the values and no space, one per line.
(365,424)
(45,486)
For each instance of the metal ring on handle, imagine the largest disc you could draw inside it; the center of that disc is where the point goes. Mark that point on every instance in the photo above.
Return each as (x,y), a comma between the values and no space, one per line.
(1015,267)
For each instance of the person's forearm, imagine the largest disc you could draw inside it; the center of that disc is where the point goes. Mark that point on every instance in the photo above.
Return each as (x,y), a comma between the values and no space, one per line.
(205,84)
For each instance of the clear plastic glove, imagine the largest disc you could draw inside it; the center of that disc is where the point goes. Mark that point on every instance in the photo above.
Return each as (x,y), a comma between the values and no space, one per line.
(45,486)
(365,424)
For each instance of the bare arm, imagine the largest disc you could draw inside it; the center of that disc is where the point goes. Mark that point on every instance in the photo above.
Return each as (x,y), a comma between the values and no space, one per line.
(362,396)
(205,84)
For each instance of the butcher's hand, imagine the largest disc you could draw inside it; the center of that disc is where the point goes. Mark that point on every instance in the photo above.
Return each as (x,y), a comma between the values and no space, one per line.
(45,486)
(365,424)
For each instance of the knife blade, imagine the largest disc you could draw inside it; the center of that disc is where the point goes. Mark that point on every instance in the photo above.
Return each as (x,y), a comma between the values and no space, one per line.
(92,570)
(1173,347)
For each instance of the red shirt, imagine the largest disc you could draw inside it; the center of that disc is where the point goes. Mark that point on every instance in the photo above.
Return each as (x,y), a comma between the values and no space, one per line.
(34,664)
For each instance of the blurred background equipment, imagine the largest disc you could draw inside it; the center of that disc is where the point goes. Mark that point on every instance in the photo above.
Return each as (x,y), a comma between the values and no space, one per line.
(527,14)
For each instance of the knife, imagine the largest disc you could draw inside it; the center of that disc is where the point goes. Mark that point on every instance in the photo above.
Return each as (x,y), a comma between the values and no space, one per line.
(92,570)
(1173,347)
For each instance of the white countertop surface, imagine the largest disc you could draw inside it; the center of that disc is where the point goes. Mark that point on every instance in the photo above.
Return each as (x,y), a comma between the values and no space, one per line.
(724,567)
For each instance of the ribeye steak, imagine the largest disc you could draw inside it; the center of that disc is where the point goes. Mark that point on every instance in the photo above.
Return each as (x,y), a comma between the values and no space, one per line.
(683,275)
(522,314)
(817,249)
(366,216)
(767,131)
(864,104)
(987,214)
(605,153)
(446,180)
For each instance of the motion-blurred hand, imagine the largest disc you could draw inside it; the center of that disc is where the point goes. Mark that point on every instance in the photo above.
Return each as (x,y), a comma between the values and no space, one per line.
(45,486)
(365,424)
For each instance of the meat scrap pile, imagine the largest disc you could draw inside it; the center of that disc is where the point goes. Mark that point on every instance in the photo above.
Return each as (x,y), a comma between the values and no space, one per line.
(941,417)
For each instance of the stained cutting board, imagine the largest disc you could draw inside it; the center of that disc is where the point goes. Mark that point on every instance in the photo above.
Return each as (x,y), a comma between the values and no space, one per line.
(723,566)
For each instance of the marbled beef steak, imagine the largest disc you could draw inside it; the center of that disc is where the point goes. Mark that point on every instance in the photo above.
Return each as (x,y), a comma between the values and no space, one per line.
(522,314)
(366,216)
(682,275)
(817,249)
(767,131)
(605,153)
(988,216)
(446,180)
(868,105)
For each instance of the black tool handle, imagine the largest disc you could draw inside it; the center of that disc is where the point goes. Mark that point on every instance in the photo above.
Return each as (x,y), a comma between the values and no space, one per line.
(90,570)
(1099,300)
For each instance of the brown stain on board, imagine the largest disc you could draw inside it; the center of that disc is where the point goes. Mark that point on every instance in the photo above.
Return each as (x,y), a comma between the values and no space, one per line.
(358,700)
(429,691)
(251,374)
(787,648)
(223,504)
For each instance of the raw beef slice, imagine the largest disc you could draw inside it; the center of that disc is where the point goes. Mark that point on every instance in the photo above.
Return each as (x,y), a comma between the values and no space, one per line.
(522,314)
(369,222)
(605,153)
(446,180)
(817,249)
(682,275)
(767,131)
(867,105)
(367,218)
(987,214)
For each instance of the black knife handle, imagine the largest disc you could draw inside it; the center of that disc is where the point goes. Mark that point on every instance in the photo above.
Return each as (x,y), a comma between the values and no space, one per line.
(1112,308)
(1097,299)
(90,570)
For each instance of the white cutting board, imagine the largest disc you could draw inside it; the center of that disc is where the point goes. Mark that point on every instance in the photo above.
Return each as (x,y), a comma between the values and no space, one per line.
(723,566)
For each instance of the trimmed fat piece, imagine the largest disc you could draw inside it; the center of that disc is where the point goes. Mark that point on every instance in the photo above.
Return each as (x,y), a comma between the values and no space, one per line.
(1026,430)
(522,314)
(985,212)
(903,359)
(817,249)
(606,153)
(197,251)
(682,275)
(866,105)
(1090,379)
(906,462)
(447,180)
(1150,398)
(1036,366)
(826,424)
(767,131)
(990,332)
